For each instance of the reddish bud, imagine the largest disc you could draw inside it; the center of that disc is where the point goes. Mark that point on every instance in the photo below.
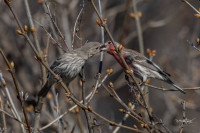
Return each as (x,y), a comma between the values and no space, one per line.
(30,108)
(25,28)
(129,71)
(105,20)
(98,22)
(197,15)
(120,48)
(135,126)
(80,83)
(111,85)
(148,51)
(113,124)
(12,64)
(130,104)
(132,15)
(89,108)
(50,96)
(162,86)
(8,2)
(77,110)
(4,84)
(109,71)
(40,1)
(153,52)
(32,29)
(121,110)
(19,32)
(148,81)
(198,40)
(139,14)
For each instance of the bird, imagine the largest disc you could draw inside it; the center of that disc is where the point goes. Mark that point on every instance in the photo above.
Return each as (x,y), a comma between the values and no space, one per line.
(69,65)
(142,67)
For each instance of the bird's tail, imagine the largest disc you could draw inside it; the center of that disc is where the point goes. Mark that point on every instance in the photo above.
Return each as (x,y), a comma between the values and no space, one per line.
(177,87)
(45,89)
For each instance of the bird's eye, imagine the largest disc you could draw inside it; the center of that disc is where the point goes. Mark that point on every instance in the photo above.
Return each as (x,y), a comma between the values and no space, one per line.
(109,42)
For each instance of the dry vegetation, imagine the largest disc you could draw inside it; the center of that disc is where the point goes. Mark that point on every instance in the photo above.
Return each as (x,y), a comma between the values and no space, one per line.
(158,28)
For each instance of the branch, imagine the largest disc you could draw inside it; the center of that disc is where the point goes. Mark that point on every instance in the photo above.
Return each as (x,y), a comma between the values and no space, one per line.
(33,31)
(191,6)
(84,102)
(55,25)
(21,99)
(3,115)
(138,26)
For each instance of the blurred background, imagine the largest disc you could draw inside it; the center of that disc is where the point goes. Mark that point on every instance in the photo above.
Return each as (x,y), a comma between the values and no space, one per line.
(166,26)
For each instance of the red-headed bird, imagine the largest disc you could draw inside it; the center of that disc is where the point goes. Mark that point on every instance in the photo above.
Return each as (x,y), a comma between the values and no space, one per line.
(143,68)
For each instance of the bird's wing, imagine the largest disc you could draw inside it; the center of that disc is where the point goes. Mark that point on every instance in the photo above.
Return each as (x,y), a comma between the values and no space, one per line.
(134,56)
(66,57)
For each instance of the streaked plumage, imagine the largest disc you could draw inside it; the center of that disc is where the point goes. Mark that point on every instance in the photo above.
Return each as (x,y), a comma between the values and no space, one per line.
(69,65)
(142,66)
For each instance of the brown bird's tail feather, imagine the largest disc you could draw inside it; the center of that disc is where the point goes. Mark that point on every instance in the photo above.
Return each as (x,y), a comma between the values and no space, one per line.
(45,89)
(177,87)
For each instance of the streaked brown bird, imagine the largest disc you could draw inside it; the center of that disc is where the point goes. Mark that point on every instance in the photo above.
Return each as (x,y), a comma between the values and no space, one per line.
(69,65)
(143,68)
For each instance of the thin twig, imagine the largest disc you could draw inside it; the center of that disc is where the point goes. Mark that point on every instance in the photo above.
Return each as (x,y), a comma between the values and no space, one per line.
(164,89)
(14,110)
(101,55)
(3,115)
(123,120)
(191,6)
(129,114)
(102,38)
(184,121)
(33,31)
(139,28)
(192,45)
(55,25)
(54,34)
(57,119)
(56,42)
(84,102)
(184,115)
(21,99)
(97,86)
(75,25)
(13,117)
(80,123)
(56,112)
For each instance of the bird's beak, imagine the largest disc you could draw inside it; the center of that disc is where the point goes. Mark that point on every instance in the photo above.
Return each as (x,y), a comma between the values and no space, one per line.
(103,47)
